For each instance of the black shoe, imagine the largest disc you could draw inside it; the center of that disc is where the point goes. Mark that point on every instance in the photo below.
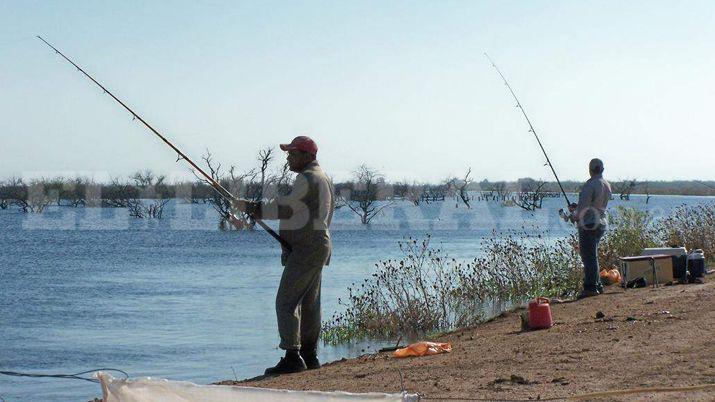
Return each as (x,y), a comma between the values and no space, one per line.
(291,363)
(311,359)
(587,293)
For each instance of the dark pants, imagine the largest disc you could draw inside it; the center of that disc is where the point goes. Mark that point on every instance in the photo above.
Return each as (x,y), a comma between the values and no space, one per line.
(588,240)
(298,305)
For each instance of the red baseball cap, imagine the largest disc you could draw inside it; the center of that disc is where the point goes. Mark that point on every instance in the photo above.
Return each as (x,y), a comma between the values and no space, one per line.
(301,143)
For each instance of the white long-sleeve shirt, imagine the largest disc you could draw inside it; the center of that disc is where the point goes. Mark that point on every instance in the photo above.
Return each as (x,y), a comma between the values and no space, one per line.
(592,202)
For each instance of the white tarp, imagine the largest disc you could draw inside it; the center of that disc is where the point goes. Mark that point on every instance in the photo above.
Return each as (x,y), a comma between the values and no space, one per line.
(158,390)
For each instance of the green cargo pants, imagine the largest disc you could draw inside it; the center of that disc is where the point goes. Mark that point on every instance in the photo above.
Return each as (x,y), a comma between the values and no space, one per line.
(298,304)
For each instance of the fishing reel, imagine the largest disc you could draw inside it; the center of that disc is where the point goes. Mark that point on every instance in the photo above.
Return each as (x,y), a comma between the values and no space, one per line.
(567,216)
(563,215)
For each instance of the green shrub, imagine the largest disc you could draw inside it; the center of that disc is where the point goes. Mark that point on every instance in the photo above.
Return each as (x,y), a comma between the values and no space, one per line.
(691,226)
(426,291)
(629,231)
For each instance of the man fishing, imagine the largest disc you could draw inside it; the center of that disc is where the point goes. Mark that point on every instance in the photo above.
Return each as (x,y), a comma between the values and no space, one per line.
(305,215)
(590,216)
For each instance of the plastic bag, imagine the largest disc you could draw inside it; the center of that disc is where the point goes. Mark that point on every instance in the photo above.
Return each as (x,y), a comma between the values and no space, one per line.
(610,276)
(158,390)
(423,349)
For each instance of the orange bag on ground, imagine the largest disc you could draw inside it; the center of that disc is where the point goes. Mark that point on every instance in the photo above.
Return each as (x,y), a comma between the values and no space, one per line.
(610,276)
(423,349)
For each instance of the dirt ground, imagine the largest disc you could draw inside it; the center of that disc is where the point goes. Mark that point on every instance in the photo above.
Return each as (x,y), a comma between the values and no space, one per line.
(648,338)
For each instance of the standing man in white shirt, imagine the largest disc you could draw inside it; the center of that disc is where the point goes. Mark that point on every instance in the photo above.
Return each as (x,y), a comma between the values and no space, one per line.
(590,216)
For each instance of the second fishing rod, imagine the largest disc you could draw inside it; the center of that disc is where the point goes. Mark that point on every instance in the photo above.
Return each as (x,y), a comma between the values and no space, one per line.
(531,129)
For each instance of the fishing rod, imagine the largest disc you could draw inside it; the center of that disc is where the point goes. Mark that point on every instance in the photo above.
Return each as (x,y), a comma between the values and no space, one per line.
(215,184)
(531,128)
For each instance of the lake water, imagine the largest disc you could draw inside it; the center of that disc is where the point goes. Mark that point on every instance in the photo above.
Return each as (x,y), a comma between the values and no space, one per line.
(84,288)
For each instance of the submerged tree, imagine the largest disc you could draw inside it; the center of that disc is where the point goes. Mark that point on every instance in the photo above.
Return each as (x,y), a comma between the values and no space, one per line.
(118,193)
(153,209)
(74,192)
(254,184)
(368,189)
(408,192)
(231,181)
(624,188)
(502,190)
(32,197)
(460,186)
(531,194)
(11,190)
(147,197)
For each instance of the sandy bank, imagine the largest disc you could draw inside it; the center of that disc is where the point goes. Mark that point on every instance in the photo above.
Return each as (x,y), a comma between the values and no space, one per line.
(648,338)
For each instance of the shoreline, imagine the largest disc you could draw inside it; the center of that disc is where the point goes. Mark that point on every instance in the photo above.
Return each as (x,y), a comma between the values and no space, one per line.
(649,338)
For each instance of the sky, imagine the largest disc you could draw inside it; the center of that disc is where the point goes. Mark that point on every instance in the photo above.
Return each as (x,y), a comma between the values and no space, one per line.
(402,86)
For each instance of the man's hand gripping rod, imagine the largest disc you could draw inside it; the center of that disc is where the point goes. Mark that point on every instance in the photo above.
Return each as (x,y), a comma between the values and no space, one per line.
(216,185)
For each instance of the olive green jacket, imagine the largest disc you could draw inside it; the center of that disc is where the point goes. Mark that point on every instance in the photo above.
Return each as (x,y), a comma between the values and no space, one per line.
(305,216)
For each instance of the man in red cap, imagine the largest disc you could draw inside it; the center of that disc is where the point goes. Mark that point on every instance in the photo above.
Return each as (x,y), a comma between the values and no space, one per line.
(305,215)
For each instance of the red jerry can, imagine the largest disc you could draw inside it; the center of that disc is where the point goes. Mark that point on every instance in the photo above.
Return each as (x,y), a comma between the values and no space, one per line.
(540,314)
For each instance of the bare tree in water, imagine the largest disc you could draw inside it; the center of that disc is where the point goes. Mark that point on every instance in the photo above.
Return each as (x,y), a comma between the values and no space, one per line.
(32,197)
(502,190)
(531,194)
(233,182)
(408,192)
(624,188)
(413,193)
(150,197)
(254,184)
(74,192)
(37,197)
(368,190)
(154,209)
(266,183)
(10,191)
(118,193)
(460,187)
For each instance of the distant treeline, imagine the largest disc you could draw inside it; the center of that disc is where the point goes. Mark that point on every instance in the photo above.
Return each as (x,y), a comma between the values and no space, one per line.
(78,192)
(630,186)
(36,194)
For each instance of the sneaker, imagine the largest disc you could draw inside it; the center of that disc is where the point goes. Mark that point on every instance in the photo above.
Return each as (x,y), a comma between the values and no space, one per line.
(587,293)
(311,360)
(291,363)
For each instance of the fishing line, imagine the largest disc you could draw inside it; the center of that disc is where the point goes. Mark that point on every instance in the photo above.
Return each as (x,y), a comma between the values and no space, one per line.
(74,376)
